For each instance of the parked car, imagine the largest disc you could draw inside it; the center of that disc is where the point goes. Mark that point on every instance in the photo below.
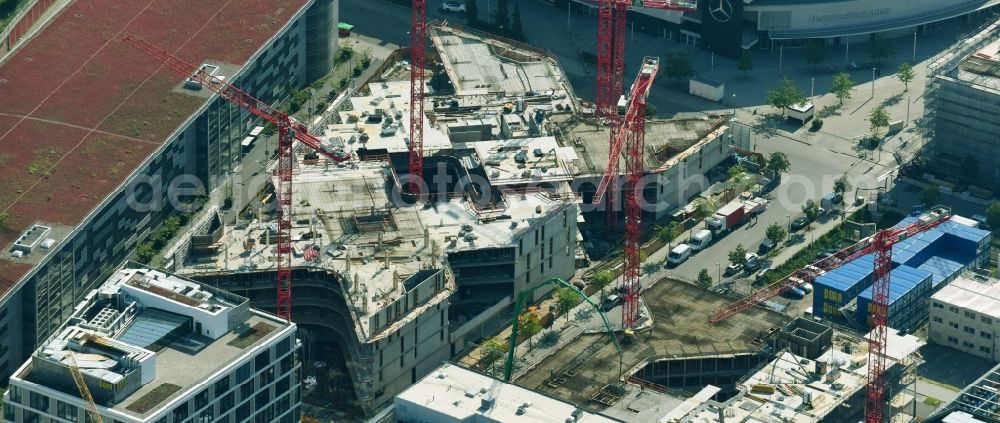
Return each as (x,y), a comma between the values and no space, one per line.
(733,269)
(794,293)
(799,223)
(453,6)
(766,245)
(611,302)
(752,262)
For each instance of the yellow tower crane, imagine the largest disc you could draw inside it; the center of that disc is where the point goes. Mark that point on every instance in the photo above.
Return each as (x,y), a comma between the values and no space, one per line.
(95,417)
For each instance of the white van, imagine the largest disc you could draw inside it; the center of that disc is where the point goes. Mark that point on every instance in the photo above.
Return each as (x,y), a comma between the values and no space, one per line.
(701,239)
(679,254)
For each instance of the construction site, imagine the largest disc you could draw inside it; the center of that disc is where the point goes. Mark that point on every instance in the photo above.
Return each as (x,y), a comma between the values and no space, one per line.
(414,220)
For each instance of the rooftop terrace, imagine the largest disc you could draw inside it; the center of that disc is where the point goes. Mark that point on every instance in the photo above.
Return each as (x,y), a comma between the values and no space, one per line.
(97,95)
(143,331)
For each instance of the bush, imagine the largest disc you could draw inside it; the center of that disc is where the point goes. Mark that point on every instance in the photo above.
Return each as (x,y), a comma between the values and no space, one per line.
(357,71)
(816,125)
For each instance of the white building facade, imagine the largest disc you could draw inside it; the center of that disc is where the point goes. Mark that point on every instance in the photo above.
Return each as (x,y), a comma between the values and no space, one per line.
(965,316)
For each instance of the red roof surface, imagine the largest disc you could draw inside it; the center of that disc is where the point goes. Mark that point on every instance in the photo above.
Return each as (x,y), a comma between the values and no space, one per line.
(80,109)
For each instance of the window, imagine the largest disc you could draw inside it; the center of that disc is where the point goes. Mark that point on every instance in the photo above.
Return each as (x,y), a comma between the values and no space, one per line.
(266,377)
(953,325)
(282,386)
(244,372)
(937,305)
(987,320)
(206,415)
(986,335)
(8,413)
(969,330)
(67,411)
(262,360)
(221,386)
(201,400)
(967,344)
(985,349)
(38,401)
(246,390)
(970,315)
(29,416)
(243,412)
(15,394)
(938,320)
(262,399)
(181,412)
(227,402)
(953,309)
(953,339)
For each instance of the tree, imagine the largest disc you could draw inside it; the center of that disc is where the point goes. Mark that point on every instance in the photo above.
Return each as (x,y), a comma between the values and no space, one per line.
(738,255)
(745,64)
(566,299)
(678,66)
(516,29)
(704,279)
(878,118)
(785,95)
(930,195)
(602,279)
(841,185)
(905,74)
(811,209)
(880,49)
(531,324)
(704,206)
(740,178)
(667,232)
(993,216)
(778,162)
(491,351)
(650,110)
(4,218)
(842,86)
(776,233)
(471,13)
(815,53)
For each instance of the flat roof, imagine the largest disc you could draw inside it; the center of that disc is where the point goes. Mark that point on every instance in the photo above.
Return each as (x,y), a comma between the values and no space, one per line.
(118,328)
(82,110)
(972,292)
(524,160)
(666,142)
(460,394)
(680,313)
(480,65)
(383,116)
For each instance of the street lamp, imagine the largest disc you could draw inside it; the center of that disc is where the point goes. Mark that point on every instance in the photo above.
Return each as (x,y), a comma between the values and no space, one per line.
(719,265)
(873,82)
(789,217)
(734,105)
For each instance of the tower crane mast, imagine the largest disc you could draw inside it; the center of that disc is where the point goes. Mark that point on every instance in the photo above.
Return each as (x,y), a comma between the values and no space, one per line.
(289,130)
(631,136)
(418,44)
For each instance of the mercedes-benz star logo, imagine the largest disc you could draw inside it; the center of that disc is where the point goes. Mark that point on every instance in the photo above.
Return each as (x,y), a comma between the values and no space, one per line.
(721,10)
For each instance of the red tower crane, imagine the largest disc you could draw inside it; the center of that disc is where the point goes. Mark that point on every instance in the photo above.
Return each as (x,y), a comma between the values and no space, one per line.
(612,17)
(880,244)
(631,135)
(418,43)
(289,130)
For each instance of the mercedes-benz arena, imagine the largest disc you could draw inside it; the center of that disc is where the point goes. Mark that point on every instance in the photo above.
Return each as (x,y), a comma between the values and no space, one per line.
(729,26)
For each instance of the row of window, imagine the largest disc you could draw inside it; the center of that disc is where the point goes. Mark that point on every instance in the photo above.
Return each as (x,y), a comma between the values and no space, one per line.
(968,314)
(965,344)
